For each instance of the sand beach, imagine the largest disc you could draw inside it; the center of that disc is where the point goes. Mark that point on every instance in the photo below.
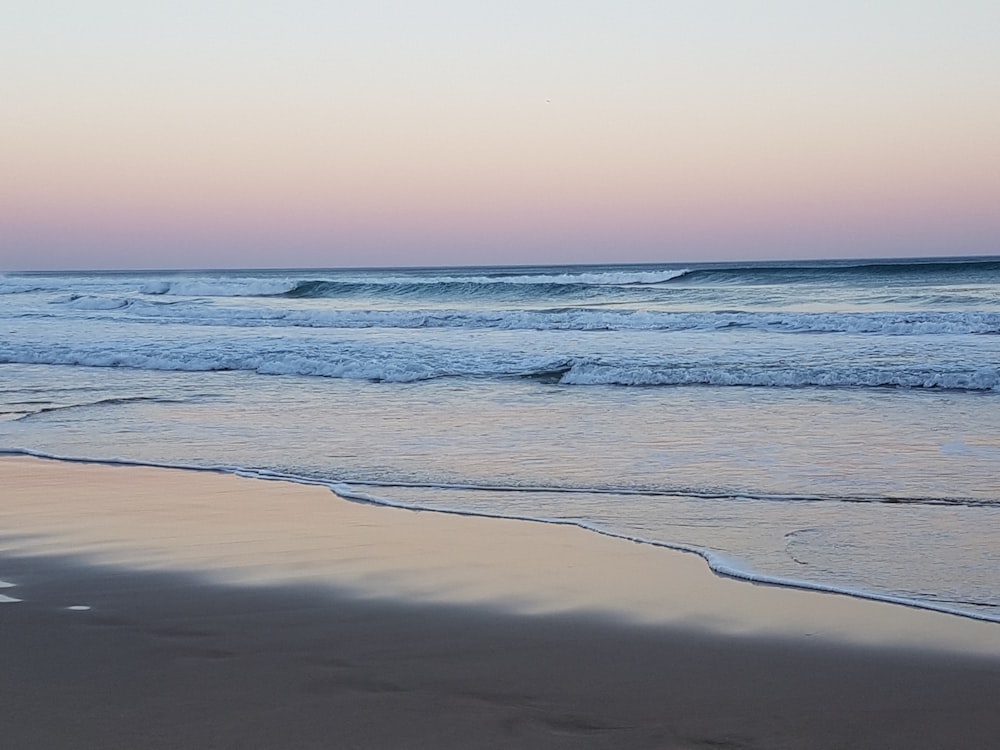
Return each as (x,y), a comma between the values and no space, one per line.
(166,608)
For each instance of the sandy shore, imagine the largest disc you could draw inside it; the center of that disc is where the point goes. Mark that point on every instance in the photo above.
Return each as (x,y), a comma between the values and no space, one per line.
(229,612)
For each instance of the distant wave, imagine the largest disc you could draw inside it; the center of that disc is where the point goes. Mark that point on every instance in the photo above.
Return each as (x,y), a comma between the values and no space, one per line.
(99,302)
(560,319)
(414,282)
(236,286)
(94,302)
(15,286)
(348,284)
(820,272)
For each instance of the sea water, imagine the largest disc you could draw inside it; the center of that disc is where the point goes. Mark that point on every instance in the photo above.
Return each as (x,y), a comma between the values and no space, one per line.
(833,425)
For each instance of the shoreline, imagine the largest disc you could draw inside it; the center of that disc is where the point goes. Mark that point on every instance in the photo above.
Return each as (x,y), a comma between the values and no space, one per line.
(165,608)
(718,566)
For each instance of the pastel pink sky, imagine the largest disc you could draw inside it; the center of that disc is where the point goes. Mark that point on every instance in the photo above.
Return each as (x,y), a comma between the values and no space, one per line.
(184,134)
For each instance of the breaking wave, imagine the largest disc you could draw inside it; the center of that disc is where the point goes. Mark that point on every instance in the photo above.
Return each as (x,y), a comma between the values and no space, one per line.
(346,284)
(199,312)
(402,364)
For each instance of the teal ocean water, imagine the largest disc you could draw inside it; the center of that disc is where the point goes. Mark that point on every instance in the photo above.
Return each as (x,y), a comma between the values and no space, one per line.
(833,425)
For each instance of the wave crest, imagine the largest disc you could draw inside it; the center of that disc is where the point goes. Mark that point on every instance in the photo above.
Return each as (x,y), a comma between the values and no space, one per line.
(410,364)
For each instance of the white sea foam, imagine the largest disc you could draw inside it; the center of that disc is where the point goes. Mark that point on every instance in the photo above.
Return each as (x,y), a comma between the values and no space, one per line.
(720,564)
(4,599)
(92,302)
(399,363)
(588,373)
(220,286)
(613,278)
(573,319)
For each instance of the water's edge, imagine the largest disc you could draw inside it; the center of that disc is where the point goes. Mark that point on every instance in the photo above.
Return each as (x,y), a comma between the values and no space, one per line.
(720,565)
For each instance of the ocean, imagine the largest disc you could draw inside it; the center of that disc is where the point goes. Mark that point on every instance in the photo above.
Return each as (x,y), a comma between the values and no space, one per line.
(832,425)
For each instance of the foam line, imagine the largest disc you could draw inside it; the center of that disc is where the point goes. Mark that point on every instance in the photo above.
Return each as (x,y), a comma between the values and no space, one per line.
(678,492)
(408,364)
(719,564)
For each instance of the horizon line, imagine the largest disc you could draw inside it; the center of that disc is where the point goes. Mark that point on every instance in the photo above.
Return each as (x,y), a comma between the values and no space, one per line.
(846,262)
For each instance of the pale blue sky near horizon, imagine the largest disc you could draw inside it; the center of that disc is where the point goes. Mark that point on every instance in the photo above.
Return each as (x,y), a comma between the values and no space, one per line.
(255,134)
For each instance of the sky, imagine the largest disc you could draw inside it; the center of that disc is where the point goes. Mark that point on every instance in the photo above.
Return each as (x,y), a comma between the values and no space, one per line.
(303,133)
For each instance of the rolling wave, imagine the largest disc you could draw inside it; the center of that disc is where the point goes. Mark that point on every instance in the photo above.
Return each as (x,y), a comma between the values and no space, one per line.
(332,283)
(101,302)
(556,319)
(466,282)
(951,271)
(416,363)
(345,284)
(593,373)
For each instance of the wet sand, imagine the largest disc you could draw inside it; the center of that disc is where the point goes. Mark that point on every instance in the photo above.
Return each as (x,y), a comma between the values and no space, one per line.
(228,612)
